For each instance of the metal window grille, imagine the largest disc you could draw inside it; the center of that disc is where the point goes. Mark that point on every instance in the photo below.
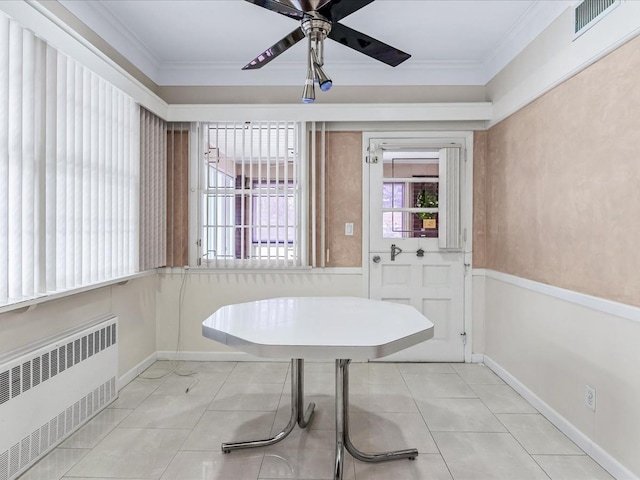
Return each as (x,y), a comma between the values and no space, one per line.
(250,195)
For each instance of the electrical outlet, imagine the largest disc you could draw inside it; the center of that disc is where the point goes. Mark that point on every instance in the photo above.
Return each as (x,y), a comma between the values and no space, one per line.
(590,397)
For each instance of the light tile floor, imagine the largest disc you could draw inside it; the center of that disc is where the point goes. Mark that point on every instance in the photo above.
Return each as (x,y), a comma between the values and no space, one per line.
(465,422)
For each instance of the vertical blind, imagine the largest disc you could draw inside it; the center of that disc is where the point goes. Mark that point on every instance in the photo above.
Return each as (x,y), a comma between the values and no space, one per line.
(449,199)
(69,171)
(153,190)
(178,155)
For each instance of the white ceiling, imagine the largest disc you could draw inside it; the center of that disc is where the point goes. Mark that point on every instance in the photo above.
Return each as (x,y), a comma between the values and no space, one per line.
(207,42)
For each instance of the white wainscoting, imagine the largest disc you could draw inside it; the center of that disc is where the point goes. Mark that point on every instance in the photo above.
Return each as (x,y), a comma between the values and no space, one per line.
(549,343)
(186,299)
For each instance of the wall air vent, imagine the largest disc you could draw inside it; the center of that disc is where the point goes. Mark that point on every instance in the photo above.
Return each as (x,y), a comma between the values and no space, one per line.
(590,12)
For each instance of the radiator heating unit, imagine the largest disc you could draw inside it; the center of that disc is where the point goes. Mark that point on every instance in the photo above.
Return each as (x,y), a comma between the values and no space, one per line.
(51,390)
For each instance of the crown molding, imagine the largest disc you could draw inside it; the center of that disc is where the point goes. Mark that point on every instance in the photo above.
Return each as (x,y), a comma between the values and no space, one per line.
(343,73)
(530,25)
(99,18)
(319,112)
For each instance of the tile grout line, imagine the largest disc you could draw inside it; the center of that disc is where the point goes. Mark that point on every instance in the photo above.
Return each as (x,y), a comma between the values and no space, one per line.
(275,416)
(197,421)
(508,431)
(280,403)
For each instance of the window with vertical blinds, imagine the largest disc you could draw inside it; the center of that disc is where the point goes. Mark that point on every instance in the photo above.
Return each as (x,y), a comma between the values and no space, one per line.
(250,205)
(153,191)
(69,172)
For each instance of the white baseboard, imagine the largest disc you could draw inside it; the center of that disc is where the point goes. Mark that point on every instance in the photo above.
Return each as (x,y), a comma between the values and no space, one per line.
(215,357)
(477,358)
(607,462)
(228,357)
(137,370)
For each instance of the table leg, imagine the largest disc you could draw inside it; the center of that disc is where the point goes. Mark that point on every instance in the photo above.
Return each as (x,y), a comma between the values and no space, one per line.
(339,464)
(342,427)
(297,401)
(304,417)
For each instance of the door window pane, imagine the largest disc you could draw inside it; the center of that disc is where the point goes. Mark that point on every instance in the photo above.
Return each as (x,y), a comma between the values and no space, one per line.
(410,194)
(392,197)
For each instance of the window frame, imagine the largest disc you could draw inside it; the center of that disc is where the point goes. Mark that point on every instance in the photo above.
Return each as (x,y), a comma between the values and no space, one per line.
(197,149)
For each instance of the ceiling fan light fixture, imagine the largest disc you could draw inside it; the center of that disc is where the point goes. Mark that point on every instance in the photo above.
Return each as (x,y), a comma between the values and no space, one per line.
(309,92)
(319,74)
(323,80)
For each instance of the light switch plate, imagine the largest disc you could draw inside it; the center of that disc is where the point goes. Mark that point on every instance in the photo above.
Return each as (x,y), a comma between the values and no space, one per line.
(348,229)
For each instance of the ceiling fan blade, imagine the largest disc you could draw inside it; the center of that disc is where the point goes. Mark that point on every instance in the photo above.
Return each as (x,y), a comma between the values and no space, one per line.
(280,8)
(367,45)
(336,10)
(275,50)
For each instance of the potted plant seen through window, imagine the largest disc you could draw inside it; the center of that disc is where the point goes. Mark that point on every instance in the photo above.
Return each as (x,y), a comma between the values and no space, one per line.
(427,199)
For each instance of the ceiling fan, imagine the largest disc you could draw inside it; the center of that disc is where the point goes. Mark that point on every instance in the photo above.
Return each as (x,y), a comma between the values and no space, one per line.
(319,20)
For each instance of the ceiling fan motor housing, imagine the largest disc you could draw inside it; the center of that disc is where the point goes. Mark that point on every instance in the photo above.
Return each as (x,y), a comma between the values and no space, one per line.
(317,29)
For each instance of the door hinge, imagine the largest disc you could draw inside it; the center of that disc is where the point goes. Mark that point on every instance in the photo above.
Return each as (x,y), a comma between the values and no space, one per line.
(199,242)
(371,159)
(467,266)
(199,262)
(464,337)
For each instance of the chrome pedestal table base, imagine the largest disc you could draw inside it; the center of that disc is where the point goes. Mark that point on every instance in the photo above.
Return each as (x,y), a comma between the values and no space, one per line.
(297,416)
(343,440)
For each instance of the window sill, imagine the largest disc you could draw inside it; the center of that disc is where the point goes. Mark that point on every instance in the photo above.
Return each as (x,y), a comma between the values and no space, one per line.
(26,305)
(264,271)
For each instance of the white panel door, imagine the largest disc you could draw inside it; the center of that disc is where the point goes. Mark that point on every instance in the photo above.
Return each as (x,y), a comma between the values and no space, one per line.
(403,191)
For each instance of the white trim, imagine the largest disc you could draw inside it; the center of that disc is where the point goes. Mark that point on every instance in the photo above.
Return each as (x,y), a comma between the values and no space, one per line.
(136,371)
(319,112)
(42,22)
(622,310)
(529,26)
(463,137)
(608,462)
(32,303)
(270,271)
(100,18)
(466,231)
(477,358)
(349,73)
(564,57)
(230,356)
(193,202)
(366,140)
(479,272)
(214,357)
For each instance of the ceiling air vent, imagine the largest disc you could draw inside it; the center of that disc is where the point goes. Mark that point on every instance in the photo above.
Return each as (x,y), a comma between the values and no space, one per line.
(590,12)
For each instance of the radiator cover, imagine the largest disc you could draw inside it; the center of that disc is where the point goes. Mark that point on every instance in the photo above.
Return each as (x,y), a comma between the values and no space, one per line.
(49,392)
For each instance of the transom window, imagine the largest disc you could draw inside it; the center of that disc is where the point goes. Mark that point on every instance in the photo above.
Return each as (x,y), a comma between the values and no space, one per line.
(250,194)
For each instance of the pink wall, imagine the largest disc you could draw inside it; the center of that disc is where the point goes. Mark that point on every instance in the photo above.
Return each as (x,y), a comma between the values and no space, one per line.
(343,198)
(562,189)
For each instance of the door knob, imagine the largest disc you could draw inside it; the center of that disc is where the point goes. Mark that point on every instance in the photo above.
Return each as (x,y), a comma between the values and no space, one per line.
(376,259)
